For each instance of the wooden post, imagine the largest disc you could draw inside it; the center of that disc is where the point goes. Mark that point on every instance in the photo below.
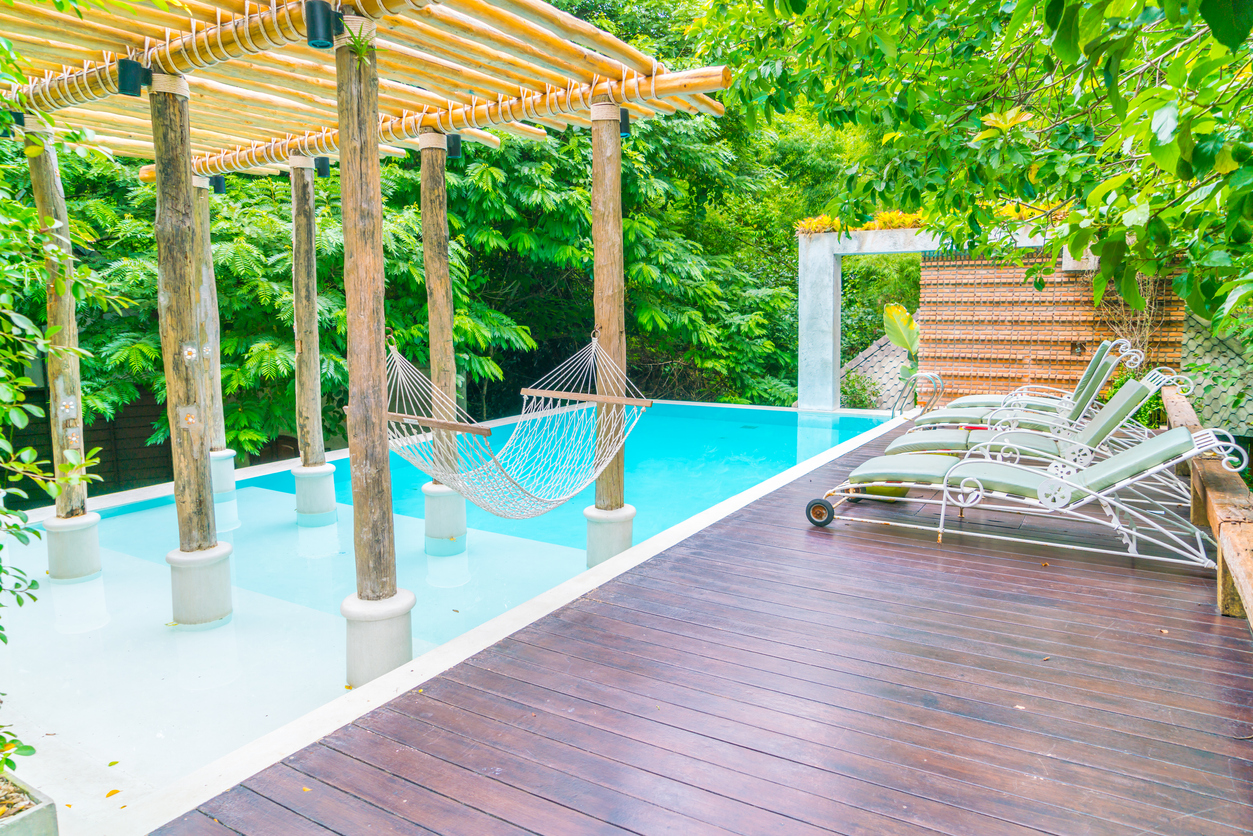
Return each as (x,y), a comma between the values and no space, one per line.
(65,397)
(183,336)
(73,536)
(379,624)
(610,521)
(445,509)
(200,569)
(207,314)
(609,279)
(305,303)
(362,202)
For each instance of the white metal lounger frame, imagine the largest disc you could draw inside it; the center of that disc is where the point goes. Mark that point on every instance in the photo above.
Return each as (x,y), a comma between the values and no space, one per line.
(1019,401)
(1059,496)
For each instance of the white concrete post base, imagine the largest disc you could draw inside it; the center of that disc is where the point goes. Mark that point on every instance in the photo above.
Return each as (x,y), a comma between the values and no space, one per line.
(315,495)
(73,547)
(608,532)
(380,635)
(225,506)
(445,520)
(201,584)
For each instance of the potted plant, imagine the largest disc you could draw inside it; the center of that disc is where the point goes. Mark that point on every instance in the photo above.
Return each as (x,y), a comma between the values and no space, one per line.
(24,811)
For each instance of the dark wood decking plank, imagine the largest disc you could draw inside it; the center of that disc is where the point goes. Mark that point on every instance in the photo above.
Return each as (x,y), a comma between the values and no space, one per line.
(332,808)
(194,823)
(254,815)
(472,788)
(1098,670)
(1152,651)
(613,765)
(927,749)
(866,665)
(932,600)
(796,803)
(1209,632)
(397,795)
(910,707)
(471,747)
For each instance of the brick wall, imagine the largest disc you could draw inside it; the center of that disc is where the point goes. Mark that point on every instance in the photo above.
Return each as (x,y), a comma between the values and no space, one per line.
(986,330)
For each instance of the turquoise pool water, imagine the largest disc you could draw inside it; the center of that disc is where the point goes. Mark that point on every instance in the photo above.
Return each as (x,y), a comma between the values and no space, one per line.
(680,460)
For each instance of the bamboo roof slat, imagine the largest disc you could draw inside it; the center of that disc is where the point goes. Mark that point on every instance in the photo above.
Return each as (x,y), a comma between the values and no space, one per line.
(259,92)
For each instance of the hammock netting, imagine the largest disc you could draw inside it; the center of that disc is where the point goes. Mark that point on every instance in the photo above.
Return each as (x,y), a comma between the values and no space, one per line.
(574,421)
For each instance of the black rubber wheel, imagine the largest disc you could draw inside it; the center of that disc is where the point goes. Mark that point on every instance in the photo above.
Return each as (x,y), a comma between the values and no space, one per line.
(853,500)
(819,512)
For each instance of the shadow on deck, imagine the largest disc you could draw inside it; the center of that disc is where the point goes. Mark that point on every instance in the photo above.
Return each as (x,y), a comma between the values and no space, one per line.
(767,677)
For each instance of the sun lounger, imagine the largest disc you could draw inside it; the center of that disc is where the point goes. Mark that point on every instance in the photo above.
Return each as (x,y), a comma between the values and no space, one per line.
(1106,493)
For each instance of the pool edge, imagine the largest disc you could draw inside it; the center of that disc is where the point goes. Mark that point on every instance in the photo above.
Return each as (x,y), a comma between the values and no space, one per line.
(217,777)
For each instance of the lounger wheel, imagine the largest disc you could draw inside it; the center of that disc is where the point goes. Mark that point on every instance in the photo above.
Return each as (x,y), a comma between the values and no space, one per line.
(853,500)
(819,512)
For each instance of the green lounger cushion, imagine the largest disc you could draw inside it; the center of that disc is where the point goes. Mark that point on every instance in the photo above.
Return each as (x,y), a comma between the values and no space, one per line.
(945,440)
(1026,442)
(929,441)
(995,401)
(929,469)
(981,417)
(1127,399)
(1145,455)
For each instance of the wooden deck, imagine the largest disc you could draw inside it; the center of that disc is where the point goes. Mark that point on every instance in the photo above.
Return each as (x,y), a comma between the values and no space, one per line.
(767,677)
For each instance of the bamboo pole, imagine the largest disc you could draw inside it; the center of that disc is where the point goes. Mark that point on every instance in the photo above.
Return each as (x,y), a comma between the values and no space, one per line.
(361,199)
(208,316)
(609,293)
(65,391)
(305,314)
(479,116)
(186,369)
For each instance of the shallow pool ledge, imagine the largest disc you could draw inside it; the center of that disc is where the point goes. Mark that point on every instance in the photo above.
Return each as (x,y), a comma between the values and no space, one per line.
(159,808)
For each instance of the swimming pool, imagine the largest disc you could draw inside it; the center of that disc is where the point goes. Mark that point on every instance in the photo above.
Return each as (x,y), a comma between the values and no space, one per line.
(96,674)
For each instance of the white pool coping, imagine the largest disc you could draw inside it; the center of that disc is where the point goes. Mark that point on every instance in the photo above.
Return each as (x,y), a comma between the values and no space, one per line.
(215,778)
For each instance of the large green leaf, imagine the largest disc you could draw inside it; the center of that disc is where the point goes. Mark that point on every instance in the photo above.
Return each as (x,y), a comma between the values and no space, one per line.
(1230,21)
(901,328)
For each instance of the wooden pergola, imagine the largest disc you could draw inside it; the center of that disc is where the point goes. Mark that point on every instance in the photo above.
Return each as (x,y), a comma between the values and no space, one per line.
(233,86)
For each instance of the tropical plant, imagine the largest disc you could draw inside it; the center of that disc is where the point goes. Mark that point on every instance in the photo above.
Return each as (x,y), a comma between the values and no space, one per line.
(858,392)
(901,329)
(1123,126)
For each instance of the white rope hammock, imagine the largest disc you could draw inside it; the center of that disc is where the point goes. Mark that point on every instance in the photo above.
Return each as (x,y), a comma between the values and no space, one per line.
(574,421)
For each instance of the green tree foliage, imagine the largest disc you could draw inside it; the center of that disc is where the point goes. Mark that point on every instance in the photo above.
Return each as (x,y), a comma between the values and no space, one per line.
(1120,125)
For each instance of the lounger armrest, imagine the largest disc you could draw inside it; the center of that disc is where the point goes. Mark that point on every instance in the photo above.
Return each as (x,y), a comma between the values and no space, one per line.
(1074,453)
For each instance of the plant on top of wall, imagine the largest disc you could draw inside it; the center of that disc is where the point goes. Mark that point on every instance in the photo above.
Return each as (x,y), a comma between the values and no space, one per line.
(891,219)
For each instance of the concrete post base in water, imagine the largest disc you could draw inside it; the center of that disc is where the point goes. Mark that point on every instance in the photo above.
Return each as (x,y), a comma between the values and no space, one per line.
(225,506)
(380,635)
(201,583)
(73,547)
(315,495)
(445,520)
(608,532)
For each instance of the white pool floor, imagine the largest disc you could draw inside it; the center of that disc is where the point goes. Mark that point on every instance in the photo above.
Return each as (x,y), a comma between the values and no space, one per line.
(95,674)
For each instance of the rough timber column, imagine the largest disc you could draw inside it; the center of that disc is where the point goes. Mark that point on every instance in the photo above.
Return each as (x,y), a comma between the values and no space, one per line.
(222,460)
(445,508)
(315,477)
(609,522)
(379,631)
(73,538)
(200,567)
